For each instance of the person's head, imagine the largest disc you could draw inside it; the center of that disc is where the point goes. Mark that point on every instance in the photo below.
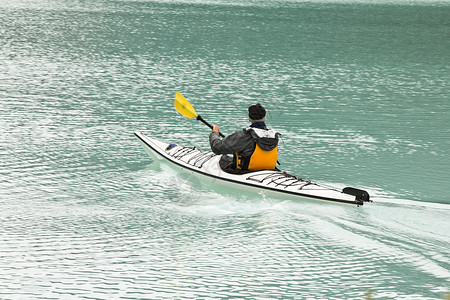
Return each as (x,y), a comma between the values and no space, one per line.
(256,113)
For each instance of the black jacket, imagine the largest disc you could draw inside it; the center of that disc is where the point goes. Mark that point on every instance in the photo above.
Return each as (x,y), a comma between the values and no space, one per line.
(244,141)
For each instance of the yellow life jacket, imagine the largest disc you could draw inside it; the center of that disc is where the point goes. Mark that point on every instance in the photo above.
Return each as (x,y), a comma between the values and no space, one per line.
(259,160)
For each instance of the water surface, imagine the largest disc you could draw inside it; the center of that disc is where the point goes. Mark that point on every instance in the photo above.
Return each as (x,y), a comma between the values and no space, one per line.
(359,90)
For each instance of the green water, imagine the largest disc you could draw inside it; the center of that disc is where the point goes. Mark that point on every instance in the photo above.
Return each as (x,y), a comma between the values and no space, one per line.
(359,90)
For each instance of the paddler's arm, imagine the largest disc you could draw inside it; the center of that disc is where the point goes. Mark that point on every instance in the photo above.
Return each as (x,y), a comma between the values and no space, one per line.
(219,145)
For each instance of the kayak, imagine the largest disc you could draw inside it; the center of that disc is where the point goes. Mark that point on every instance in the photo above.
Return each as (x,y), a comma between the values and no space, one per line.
(206,166)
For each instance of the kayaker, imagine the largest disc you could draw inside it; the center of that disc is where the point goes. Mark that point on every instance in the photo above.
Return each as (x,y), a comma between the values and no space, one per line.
(253,148)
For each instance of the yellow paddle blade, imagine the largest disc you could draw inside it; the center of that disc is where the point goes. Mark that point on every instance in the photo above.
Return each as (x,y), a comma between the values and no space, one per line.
(183,106)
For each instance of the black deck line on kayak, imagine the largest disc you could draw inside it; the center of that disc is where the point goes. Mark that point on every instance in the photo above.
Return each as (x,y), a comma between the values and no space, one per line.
(202,157)
(247,184)
(182,152)
(199,159)
(287,177)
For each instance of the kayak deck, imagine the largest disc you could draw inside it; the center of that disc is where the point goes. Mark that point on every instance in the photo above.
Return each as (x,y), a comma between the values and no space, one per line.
(206,165)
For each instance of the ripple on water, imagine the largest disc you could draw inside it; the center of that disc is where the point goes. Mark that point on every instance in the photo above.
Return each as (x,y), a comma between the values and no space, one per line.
(84,213)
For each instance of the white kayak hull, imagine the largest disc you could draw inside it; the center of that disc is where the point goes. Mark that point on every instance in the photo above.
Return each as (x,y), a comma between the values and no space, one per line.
(204,165)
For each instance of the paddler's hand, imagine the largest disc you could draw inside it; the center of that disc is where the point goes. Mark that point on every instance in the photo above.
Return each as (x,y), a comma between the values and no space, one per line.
(215,128)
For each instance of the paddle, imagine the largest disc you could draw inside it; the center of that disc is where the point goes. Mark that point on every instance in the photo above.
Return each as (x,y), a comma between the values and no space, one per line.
(185,108)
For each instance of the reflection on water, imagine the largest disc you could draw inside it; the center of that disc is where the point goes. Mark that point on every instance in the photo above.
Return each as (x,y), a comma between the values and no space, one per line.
(141,243)
(85,213)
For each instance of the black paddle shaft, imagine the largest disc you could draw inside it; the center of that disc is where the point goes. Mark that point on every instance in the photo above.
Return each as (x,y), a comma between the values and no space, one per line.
(209,125)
